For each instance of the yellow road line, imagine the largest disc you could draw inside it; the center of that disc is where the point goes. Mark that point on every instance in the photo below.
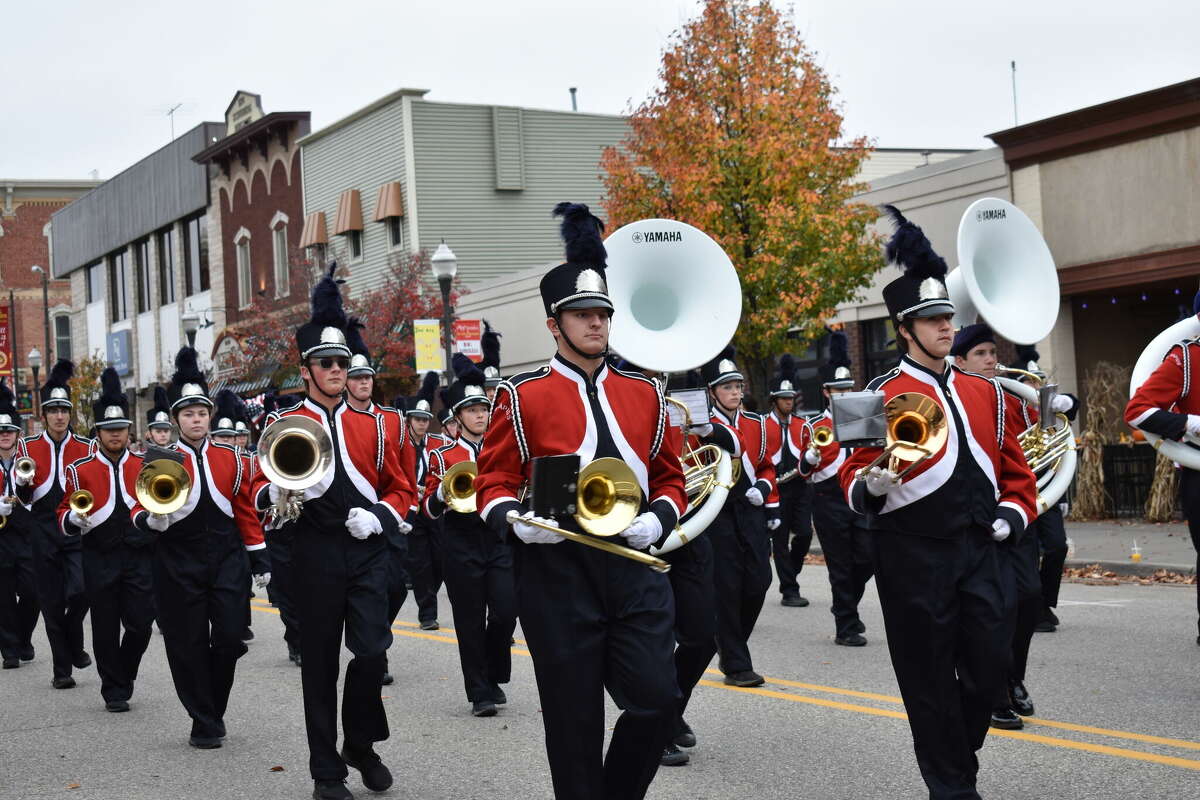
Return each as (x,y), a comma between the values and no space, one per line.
(1053,741)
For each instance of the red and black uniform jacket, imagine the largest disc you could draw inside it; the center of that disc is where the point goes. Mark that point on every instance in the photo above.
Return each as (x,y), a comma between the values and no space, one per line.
(219,502)
(365,471)
(50,481)
(1161,405)
(783,445)
(442,459)
(15,541)
(112,487)
(757,470)
(979,476)
(833,455)
(558,410)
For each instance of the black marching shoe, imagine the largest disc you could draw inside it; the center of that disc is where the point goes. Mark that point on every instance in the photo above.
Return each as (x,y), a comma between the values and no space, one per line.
(82,660)
(684,736)
(850,640)
(674,757)
(793,601)
(116,706)
(247,634)
(26,653)
(745,679)
(1005,718)
(388,680)
(12,663)
(375,776)
(430,625)
(483,708)
(858,626)
(498,696)
(1022,703)
(294,655)
(63,683)
(1048,622)
(331,790)
(205,742)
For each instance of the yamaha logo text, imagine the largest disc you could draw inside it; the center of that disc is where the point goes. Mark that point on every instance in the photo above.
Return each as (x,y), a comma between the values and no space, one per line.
(987,214)
(657,236)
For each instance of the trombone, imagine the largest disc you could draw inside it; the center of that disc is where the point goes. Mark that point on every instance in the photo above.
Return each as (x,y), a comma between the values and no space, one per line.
(607,499)
(817,438)
(24,469)
(162,486)
(916,431)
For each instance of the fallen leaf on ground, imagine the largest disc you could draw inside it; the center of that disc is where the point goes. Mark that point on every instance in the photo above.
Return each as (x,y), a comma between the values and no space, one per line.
(276,768)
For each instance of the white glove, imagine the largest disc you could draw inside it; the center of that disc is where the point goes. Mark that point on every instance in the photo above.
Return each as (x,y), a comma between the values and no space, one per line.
(261,581)
(773,523)
(1193,424)
(880,481)
(813,457)
(1001,530)
(362,523)
(531,534)
(22,480)
(6,507)
(643,531)
(1064,508)
(81,521)
(404,526)
(158,522)
(440,495)
(703,431)
(1061,404)
(754,496)
(275,492)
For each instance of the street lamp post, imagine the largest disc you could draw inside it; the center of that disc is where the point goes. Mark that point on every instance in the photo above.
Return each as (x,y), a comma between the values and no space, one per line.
(45,306)
(445,265)
(191,324)
(35,363)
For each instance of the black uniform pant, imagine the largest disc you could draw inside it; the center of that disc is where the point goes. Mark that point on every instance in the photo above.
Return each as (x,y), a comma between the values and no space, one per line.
(345,587)
(1189,492)
(282,589)
(200,589)
(479,581)
(425,568)
(18,593)
(943,609)
(1052,535)
(691,579)
(741,578)
(795,519)
(847,551)
(596,621)
(63,601)
(1023,602)
(120,591)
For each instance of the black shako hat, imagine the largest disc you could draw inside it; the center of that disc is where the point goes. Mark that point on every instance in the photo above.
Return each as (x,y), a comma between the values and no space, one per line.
(360,355)
(55,391)
(836,370)
(422,404)
(188,386)
(226,414)
(10,420)
(490,343)
(325,332)
(721,369)
(783,382)
(160,415)
(578,282)
(467,388)
(111,409)
(970,337)
(921,290)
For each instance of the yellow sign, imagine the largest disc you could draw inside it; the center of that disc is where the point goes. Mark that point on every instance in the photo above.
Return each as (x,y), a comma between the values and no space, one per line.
(427,344)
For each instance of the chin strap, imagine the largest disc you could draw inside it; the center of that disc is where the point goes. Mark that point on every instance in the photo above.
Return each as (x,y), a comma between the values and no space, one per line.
(917,340)
(603,354)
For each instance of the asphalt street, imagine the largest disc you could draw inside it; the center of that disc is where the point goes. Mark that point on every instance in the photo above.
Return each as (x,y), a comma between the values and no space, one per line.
(1117,690)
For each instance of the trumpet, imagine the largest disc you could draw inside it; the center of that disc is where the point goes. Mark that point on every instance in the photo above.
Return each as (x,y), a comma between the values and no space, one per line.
(81,502)
(916,431)
(458,487)
(24,469)
(162,486)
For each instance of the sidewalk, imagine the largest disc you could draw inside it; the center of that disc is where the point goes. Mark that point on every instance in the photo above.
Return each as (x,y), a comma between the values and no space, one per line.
(1110,542)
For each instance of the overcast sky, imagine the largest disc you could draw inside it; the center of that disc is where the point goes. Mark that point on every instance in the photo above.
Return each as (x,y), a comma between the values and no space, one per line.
(86,85)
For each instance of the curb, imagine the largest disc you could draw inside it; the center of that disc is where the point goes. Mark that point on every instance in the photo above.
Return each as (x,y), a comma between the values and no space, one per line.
(1130,568)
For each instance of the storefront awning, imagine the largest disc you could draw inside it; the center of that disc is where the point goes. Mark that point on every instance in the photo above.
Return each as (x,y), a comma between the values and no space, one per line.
(349,213)
(314,230)
(389,203)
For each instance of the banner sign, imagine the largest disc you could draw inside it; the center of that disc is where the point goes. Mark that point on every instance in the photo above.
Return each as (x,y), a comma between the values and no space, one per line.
(6,361)
(427,344)
(468,338)
(119,346)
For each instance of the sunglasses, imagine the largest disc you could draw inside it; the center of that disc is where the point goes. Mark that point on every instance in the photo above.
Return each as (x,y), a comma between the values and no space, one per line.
(329,362)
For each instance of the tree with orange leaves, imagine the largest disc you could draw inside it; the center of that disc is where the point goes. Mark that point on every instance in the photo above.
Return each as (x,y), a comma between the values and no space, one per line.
(743,140)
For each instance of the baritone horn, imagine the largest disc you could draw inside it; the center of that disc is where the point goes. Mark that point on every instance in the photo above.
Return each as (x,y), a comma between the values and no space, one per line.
(458,487)
(916,431)
(294,452)
(162,486)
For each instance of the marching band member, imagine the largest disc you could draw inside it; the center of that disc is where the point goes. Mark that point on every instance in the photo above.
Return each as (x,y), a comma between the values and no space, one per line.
(937,528)
(740,534)
(1166,406)
(782,434)
(118,559)
(845,541)
(228,413)
(592,619)
(158,420)
(18,579)
(59,559)
(279,537)
(425,539)
(201,573)
(490,344)
(478,565)
(449,425)
(341,557)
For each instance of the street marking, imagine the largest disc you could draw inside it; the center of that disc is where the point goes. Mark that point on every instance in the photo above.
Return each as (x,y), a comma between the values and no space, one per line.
(1053,741)
(1106,603)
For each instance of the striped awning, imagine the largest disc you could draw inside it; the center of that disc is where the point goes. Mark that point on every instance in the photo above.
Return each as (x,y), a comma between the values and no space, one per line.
(314,230)
(349,213)
(389,203)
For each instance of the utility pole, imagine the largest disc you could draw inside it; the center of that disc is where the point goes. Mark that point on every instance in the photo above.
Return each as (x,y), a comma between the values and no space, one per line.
(1013,64)
(171,113)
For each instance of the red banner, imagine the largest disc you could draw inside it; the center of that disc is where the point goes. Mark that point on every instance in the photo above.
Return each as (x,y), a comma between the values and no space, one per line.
(6,360)
(468,338)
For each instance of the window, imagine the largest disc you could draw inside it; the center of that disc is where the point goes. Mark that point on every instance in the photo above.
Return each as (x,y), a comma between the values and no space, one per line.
(244,274)
(879,346)
(279,237)
(354,239)
(141,257)
(195,254)
(62,336)
(92,274)
(166,267)
(118,281)
(395,233)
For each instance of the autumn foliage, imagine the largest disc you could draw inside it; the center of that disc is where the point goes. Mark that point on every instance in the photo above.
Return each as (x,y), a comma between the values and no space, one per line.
(743,139)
